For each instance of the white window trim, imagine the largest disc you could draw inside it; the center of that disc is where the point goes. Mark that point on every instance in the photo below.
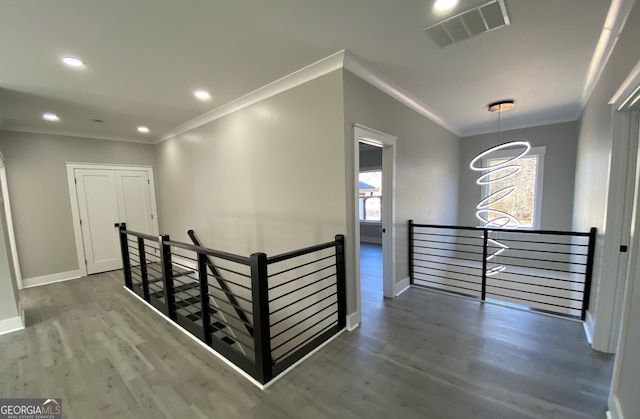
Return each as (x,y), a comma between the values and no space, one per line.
(537,205)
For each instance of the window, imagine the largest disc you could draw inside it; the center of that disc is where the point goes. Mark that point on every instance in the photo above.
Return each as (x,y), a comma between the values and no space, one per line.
(525,202)
(370,206)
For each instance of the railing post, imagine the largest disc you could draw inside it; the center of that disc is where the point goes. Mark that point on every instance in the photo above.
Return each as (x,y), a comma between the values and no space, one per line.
(341,282)
(124,249)
(142,256)
(589,272)
(485,240)
(167,276)
(261,325)
(411,252)
(204,296)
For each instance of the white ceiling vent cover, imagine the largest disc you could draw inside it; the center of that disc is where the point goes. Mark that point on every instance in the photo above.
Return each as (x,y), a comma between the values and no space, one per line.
(484,18)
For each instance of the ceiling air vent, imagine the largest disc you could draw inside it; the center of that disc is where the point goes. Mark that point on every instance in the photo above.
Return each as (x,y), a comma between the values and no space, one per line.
(484,18)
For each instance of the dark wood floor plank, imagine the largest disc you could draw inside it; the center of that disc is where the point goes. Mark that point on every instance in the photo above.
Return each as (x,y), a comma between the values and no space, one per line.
(420,355)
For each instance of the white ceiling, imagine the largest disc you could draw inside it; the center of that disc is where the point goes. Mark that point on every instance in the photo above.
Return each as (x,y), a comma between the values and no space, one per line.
(145,57)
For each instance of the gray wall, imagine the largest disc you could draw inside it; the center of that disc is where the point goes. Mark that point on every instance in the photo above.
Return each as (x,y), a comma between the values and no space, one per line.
(9,303)
(590,200)
(558,178)
(427,163)
(39,192)
(266,178)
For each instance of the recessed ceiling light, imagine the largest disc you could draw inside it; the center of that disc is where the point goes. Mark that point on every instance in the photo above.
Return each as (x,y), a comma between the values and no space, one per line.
(202,94)
(444,5)
(143,129)
(50,116)
(72,61)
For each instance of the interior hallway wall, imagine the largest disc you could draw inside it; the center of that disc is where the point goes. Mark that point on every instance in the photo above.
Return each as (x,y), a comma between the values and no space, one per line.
(427,164)
(39,193)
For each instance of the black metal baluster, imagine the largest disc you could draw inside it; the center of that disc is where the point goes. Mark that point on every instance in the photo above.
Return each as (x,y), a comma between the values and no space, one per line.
(143,268)
(167,277)
(261,328)
(204,297)
(589,272)
(126,263)
(485,239)
(341,285)
(411,252)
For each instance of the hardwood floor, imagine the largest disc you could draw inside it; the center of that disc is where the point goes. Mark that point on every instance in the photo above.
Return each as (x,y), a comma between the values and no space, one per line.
(420,355)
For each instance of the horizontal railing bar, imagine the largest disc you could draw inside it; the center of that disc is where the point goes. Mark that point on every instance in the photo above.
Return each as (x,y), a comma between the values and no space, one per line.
(187,267)
(181,256)
(446,270)
(446,277)
(534,293)
(304,331)
(532,301)
(505,230)
(300,252)
(540,251)
(448,264)
(506,263)
(447,285)
(449,242)
(545,277)
(302,287)
(300,266)
(235,329)
(303,309)
(531,284)
(142,235)
(304,342)
(448,257)
(210,275)
(210,252)
(448,250)
(237,296)
(274,337)
(448,235)
(301,276)
(506,239)
(504,256)
(234,315)
(303,298)
(231,271)
(521,306)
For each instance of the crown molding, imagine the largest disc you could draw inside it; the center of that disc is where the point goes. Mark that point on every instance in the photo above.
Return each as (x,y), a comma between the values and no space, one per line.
(75,135)
(295,79)
(613,26)
(357,67)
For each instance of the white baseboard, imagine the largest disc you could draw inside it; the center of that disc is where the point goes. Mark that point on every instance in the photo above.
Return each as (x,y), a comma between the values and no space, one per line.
(11,325)
(49,279)
(353,321)
(401,286)
(588,328)
(615,411)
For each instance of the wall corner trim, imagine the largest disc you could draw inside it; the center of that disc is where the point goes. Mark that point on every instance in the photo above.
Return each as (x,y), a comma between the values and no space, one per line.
(51,278)
(12,324)
(588,327)
(615,411)
(353,321)
(402,286)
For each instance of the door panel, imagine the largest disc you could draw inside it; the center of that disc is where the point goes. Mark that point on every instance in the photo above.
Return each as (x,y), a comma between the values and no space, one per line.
(134,201)
(98,205)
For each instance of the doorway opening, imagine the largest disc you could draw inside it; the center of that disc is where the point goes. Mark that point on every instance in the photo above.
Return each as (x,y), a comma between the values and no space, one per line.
(374,215)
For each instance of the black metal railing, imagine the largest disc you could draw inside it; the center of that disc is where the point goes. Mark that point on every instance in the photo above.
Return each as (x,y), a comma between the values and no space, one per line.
(543,270)
(260,321)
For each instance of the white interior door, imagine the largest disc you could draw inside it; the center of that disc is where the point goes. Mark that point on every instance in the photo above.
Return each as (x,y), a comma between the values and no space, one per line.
(98,208)
(134,200)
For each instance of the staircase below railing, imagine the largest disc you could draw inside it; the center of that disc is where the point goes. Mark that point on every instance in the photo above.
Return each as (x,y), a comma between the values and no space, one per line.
(261,321)
(545,271)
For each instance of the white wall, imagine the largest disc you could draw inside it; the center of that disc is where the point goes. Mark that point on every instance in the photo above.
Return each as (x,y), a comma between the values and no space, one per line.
(590,203)
(39,193)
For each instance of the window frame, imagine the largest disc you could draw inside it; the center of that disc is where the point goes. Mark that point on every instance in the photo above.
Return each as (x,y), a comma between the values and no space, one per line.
(539,152)
(368,170)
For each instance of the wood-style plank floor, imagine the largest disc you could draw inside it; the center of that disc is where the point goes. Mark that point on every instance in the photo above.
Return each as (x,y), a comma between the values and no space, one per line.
(421,355)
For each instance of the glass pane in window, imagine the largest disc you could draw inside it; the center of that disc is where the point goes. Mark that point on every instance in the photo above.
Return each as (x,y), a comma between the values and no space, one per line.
(521,203)
(372,208)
